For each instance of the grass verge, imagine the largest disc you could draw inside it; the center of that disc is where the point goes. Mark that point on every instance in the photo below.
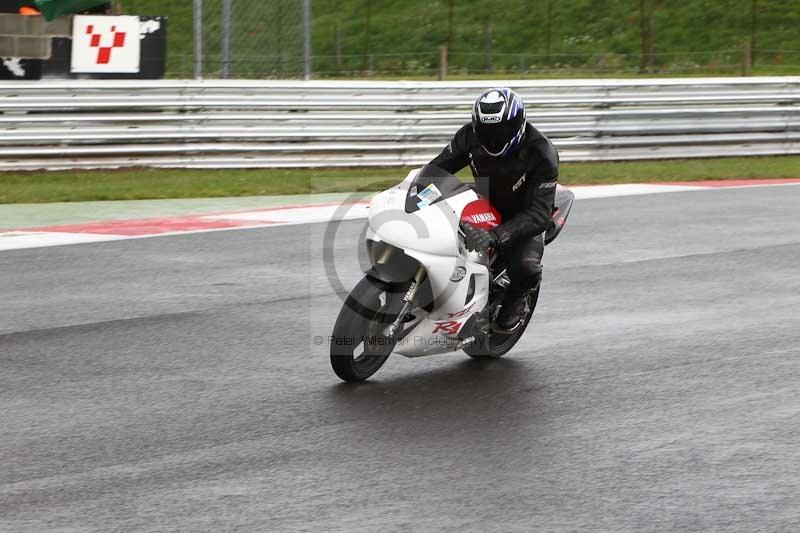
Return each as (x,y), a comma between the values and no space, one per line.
(135,184)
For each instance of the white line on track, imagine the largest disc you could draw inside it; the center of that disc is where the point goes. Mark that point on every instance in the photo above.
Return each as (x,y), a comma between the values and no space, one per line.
(308,214)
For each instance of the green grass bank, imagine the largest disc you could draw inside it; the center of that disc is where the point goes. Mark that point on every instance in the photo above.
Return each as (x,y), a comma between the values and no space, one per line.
(136,184)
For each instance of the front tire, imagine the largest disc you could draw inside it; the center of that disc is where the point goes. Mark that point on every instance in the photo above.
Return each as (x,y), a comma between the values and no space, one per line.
(358,347)
(496,345)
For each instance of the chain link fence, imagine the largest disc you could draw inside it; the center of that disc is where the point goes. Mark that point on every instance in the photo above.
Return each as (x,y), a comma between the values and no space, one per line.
(252,38)
(393,39)
(238,38)
(523,38)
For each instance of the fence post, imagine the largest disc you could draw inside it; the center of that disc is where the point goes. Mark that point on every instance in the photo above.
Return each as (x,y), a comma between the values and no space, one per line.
(487,47)
(753,30)
(226,38)
(198,39)
(442,62)
(338,45)
(306,39)
(747,59)
(548,32)
(646,9)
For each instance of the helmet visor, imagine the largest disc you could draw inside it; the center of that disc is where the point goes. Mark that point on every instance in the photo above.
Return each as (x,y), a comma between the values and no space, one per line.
(495,137)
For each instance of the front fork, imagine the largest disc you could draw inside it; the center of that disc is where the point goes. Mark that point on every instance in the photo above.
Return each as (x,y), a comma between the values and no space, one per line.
(408,303)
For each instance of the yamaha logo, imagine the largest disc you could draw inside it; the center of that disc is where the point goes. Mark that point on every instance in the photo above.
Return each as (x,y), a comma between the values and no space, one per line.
(483,217)
(458,274)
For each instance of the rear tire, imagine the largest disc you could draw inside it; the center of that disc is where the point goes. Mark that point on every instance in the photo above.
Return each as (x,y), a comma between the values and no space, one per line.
(358,348)
(496,345)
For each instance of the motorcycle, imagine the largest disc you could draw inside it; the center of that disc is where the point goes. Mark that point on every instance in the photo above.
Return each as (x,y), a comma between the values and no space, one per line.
(425,293)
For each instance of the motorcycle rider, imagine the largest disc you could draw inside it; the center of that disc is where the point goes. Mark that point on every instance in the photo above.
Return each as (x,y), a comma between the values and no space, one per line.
(519,170)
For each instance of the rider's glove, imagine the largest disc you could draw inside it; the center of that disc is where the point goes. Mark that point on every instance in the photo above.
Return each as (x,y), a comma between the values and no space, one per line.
(479,239)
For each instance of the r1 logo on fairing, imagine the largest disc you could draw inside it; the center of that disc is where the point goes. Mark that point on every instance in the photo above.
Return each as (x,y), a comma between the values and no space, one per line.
(448,327)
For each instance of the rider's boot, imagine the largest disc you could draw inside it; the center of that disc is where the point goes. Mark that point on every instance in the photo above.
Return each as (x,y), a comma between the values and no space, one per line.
(514,308)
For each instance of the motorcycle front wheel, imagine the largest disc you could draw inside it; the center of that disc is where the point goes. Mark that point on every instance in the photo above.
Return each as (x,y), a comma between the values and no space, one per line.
(359,347)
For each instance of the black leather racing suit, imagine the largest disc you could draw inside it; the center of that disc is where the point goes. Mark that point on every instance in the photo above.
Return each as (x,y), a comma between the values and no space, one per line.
(522,186)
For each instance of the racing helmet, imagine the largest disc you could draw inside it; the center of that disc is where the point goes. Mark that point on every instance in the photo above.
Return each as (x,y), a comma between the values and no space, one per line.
(498,120)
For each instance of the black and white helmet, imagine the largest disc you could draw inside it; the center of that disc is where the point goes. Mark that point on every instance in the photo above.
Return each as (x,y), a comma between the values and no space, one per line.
(498,119)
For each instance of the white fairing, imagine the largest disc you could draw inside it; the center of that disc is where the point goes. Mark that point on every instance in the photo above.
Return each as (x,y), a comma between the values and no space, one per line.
(430,235)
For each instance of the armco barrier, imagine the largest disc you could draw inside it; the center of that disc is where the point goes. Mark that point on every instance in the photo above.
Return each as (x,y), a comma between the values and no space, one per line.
(245,123)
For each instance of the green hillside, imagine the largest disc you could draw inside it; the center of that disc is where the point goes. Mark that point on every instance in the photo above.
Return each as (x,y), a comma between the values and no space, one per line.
(400,38)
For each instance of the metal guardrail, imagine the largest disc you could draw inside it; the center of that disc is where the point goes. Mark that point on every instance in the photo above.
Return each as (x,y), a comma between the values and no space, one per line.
(243,123)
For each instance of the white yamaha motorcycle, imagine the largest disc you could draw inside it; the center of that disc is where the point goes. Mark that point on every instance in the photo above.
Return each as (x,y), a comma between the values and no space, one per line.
(425,293)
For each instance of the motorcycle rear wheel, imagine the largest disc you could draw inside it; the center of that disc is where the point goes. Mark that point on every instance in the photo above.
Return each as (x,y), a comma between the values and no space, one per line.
(496,345)
(358,347)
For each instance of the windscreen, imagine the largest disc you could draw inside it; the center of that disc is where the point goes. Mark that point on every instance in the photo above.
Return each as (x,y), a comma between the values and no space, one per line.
(430,185)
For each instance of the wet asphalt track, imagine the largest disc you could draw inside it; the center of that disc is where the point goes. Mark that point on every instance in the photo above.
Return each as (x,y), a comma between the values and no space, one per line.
(173,384)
